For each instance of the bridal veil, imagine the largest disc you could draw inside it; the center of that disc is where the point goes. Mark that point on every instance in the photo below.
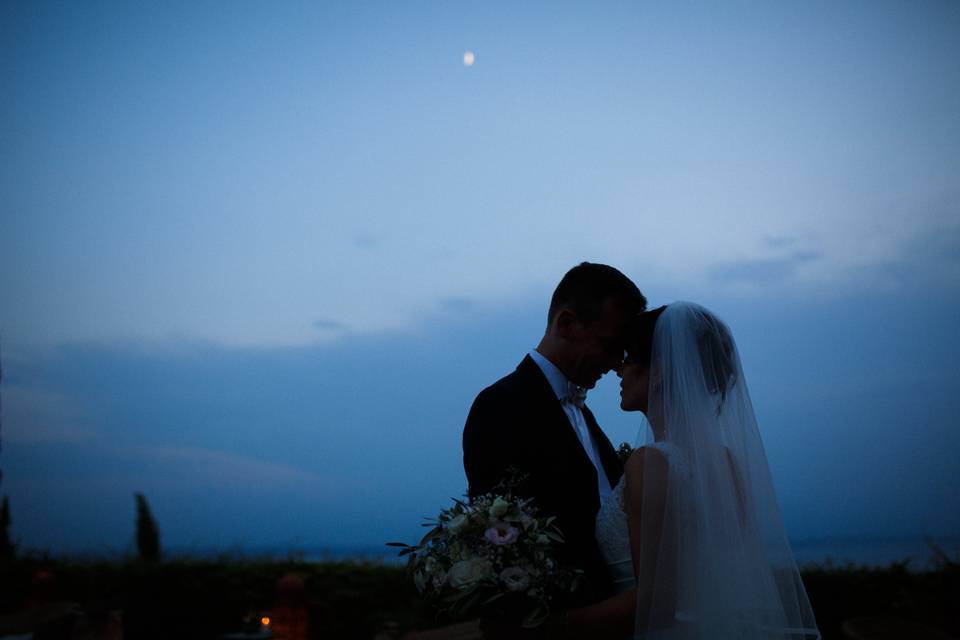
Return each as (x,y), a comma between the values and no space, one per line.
(714,559)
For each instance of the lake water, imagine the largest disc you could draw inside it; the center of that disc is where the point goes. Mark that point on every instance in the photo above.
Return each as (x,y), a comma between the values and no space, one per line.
(835,551)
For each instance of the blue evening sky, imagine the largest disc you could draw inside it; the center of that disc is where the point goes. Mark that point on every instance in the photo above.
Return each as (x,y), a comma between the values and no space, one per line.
(256,259)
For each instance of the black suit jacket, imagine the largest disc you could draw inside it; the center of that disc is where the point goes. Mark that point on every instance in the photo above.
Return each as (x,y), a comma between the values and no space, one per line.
(518,422)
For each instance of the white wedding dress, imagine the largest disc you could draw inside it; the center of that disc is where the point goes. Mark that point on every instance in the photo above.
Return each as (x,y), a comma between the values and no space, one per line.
(715,561)
(614,540)
(613,535)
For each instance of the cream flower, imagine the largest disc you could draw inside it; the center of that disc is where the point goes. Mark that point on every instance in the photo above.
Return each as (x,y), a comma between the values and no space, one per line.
(458,524)
(466,572)
(499,507)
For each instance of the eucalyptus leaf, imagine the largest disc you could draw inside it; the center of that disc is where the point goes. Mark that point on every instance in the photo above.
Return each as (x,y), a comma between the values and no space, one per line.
(470,602)
(461,594)
(536,617)
(430,535)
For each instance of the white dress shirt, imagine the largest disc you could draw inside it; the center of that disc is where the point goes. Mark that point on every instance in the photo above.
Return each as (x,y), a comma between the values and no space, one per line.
(558,382)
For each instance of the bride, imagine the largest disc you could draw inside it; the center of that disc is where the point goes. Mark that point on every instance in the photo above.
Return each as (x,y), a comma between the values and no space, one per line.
(692,534)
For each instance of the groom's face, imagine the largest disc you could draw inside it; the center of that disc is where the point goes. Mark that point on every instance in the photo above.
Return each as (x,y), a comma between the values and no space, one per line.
(597,347)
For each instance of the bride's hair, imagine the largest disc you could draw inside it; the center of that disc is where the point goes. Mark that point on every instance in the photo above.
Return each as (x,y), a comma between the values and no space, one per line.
(713,340)
(716,356)
(640,336)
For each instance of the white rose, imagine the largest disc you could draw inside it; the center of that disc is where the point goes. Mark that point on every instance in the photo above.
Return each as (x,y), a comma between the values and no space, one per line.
(458,524)
(499,508)
(515,578)
(466,572)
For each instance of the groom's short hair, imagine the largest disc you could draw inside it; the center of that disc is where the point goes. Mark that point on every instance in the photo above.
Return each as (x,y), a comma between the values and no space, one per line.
(585,288)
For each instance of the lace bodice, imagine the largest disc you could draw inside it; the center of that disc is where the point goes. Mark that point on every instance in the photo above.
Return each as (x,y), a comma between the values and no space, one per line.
(613,537)
(612,531)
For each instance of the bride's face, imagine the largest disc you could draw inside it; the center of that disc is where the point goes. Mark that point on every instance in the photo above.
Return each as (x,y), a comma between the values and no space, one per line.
(634,386)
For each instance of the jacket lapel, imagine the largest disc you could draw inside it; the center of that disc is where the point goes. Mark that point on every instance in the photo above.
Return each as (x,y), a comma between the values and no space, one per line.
(560,431)
(608,455)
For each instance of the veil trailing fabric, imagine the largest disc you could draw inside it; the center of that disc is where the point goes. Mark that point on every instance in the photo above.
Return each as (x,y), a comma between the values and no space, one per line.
(714,559)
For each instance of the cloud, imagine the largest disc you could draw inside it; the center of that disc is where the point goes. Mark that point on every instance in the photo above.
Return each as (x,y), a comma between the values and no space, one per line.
(223,469)
(456,304)
(762,272)
(32,416)
(923,258)
(933,256)
(780,242)
(366,241)
(328,325)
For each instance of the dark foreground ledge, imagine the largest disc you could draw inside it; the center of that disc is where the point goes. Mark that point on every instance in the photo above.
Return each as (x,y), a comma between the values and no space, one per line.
(209,599)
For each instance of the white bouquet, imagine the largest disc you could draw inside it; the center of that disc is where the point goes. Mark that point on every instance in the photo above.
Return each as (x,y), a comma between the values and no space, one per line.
(491,556)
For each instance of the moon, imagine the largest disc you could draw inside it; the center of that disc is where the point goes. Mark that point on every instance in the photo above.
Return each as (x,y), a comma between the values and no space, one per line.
(468,58)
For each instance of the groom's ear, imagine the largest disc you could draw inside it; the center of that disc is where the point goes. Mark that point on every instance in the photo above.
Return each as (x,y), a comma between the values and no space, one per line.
(565,322)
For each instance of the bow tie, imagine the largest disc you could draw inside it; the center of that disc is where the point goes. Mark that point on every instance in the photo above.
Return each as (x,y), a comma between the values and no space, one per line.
(575,395)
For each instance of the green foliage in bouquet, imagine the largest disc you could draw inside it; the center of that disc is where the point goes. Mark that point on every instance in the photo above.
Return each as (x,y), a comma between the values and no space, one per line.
(624,451)
(492,557)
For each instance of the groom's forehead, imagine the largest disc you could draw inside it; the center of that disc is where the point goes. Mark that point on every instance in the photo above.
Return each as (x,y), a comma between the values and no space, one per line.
(614,317)
(617,310)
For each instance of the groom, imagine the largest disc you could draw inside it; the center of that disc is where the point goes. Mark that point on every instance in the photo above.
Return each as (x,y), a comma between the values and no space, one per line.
(534,419)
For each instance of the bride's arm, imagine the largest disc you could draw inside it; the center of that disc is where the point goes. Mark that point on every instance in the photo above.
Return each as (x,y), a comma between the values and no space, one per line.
(645,477)
(616,615)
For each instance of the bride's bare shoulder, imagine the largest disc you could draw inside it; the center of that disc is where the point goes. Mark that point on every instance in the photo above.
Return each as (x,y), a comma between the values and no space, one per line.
(645,460)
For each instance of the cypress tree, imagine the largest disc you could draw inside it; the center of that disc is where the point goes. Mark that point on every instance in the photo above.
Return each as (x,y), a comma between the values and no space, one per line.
(1,409)
(148,535)
(7,548)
